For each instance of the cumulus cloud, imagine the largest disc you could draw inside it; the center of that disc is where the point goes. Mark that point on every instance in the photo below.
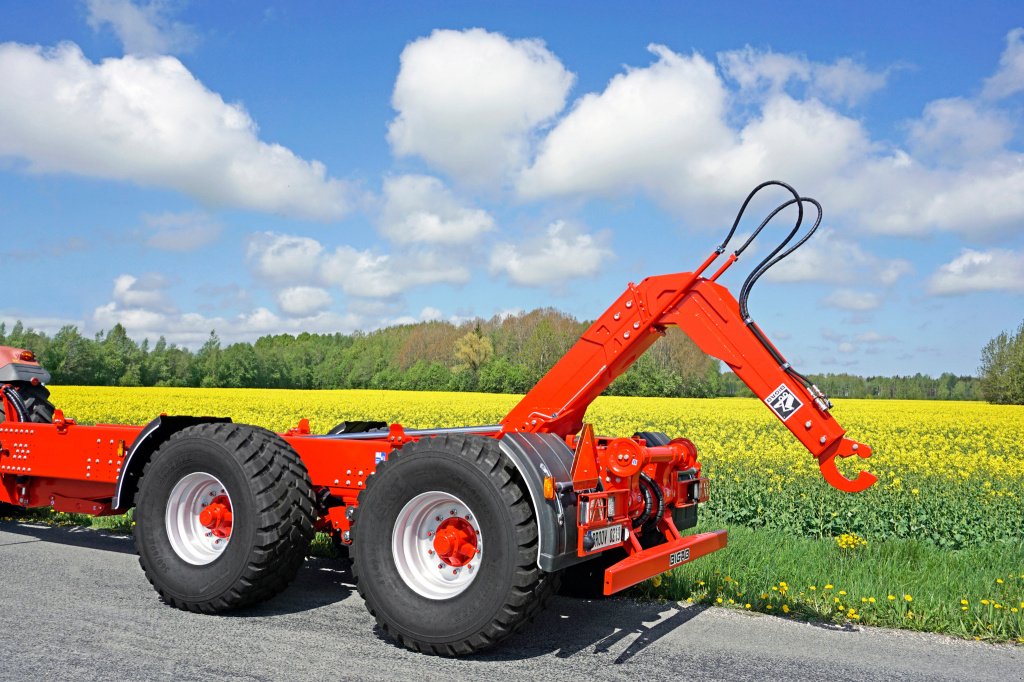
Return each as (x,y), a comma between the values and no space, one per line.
(761,71)
(142,292)
(192,329)
(303,301)
(369,274)
(564,252)
(148,120)
(681,132)
(850,299)
(186,231)
(419,208)
(1009,79)
(468,101)
(956,130)
(974,271)
(829,257)
(284,258)
(143,29)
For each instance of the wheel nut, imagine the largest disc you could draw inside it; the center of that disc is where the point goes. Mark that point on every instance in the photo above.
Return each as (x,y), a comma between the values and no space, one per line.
(430,552)
(455,572)
(440,566)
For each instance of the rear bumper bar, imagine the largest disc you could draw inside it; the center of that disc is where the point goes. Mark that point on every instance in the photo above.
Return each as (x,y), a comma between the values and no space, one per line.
(651,562)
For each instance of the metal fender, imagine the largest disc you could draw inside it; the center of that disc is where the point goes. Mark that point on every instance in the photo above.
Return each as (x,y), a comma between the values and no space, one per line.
(536,455)
(143,447)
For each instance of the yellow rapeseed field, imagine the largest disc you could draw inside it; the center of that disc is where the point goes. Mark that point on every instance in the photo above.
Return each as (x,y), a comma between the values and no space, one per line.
(951,474)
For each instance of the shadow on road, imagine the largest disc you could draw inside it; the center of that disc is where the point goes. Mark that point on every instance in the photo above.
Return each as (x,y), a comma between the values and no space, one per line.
(570,626)
(320,582)
(75,536)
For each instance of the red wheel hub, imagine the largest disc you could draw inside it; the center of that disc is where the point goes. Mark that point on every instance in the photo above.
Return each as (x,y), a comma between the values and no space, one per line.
(455,541)
(217,516)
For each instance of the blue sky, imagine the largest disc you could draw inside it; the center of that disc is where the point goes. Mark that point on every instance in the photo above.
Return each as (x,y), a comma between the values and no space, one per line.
(260,168)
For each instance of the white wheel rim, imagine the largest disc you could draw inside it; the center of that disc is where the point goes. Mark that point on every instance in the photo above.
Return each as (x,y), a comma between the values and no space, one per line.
(189,538)
(413,545)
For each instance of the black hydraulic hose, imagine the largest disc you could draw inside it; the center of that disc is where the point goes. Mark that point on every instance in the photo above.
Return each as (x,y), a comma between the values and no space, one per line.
(657,493)
(19,405)
(648,505)
(743,208)
(772,259)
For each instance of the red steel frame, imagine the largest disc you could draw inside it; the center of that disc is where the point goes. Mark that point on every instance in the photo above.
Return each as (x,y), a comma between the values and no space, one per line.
(75,468)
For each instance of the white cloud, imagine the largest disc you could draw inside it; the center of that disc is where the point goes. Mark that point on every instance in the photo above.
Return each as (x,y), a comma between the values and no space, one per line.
(187,231)
(1009,79)
(193,329)
(145,292)
(563,253)
(283,258)
(467,101)
(303,301)
(873,337)
(828,257)
(143,29)
(630,134)
(850,299)
(677,131)
(765,71)
(419,208)
(148,120)
(956,130)
(373,275)
(973,271)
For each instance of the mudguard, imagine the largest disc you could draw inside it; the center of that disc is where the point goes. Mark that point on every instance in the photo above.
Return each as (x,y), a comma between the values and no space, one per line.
(536,455)
(18,364)
(143,447)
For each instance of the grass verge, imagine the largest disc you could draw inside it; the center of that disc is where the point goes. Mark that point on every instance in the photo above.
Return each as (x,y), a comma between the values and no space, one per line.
(975,593)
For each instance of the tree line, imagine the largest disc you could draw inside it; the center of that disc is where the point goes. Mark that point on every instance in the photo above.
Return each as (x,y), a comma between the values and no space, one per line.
(506,354)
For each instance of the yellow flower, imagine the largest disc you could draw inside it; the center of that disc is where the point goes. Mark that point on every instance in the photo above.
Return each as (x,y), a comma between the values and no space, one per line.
(915,491)
(964,602)
(908,597)
(985,602)
(718,601)
(842,592)
(656,581)
(785,608)
(768,606)
(871,600)
(999,580)
(828,587)
(892,598)
(813,587)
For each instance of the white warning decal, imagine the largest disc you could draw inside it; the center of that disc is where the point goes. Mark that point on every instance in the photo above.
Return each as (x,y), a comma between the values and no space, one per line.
(783,402)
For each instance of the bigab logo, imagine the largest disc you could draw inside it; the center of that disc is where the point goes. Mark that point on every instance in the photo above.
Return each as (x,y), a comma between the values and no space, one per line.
(783,402)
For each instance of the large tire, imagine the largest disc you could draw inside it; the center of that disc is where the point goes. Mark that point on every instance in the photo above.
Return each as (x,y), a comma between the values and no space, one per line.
(443,605)
(255,475)
(36,399)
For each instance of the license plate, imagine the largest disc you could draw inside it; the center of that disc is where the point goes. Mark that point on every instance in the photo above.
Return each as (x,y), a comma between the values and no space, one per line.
(606,537)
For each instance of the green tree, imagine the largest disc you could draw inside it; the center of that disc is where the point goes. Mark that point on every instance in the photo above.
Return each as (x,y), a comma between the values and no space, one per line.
(1002,368)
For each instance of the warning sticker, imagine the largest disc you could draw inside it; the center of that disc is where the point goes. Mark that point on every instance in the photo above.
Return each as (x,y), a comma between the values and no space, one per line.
(783,402)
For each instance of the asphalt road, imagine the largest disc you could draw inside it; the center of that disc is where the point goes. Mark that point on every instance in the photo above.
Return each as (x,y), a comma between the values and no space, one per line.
(75,606)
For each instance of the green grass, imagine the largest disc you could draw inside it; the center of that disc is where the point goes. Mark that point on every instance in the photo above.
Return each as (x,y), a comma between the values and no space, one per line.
(812,579)
(896,583)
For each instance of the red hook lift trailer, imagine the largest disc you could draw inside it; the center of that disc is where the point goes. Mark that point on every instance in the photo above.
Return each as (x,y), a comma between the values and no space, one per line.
(457,535)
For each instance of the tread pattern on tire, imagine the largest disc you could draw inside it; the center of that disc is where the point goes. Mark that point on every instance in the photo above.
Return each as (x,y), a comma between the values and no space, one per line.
(285,513)
(531,586)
